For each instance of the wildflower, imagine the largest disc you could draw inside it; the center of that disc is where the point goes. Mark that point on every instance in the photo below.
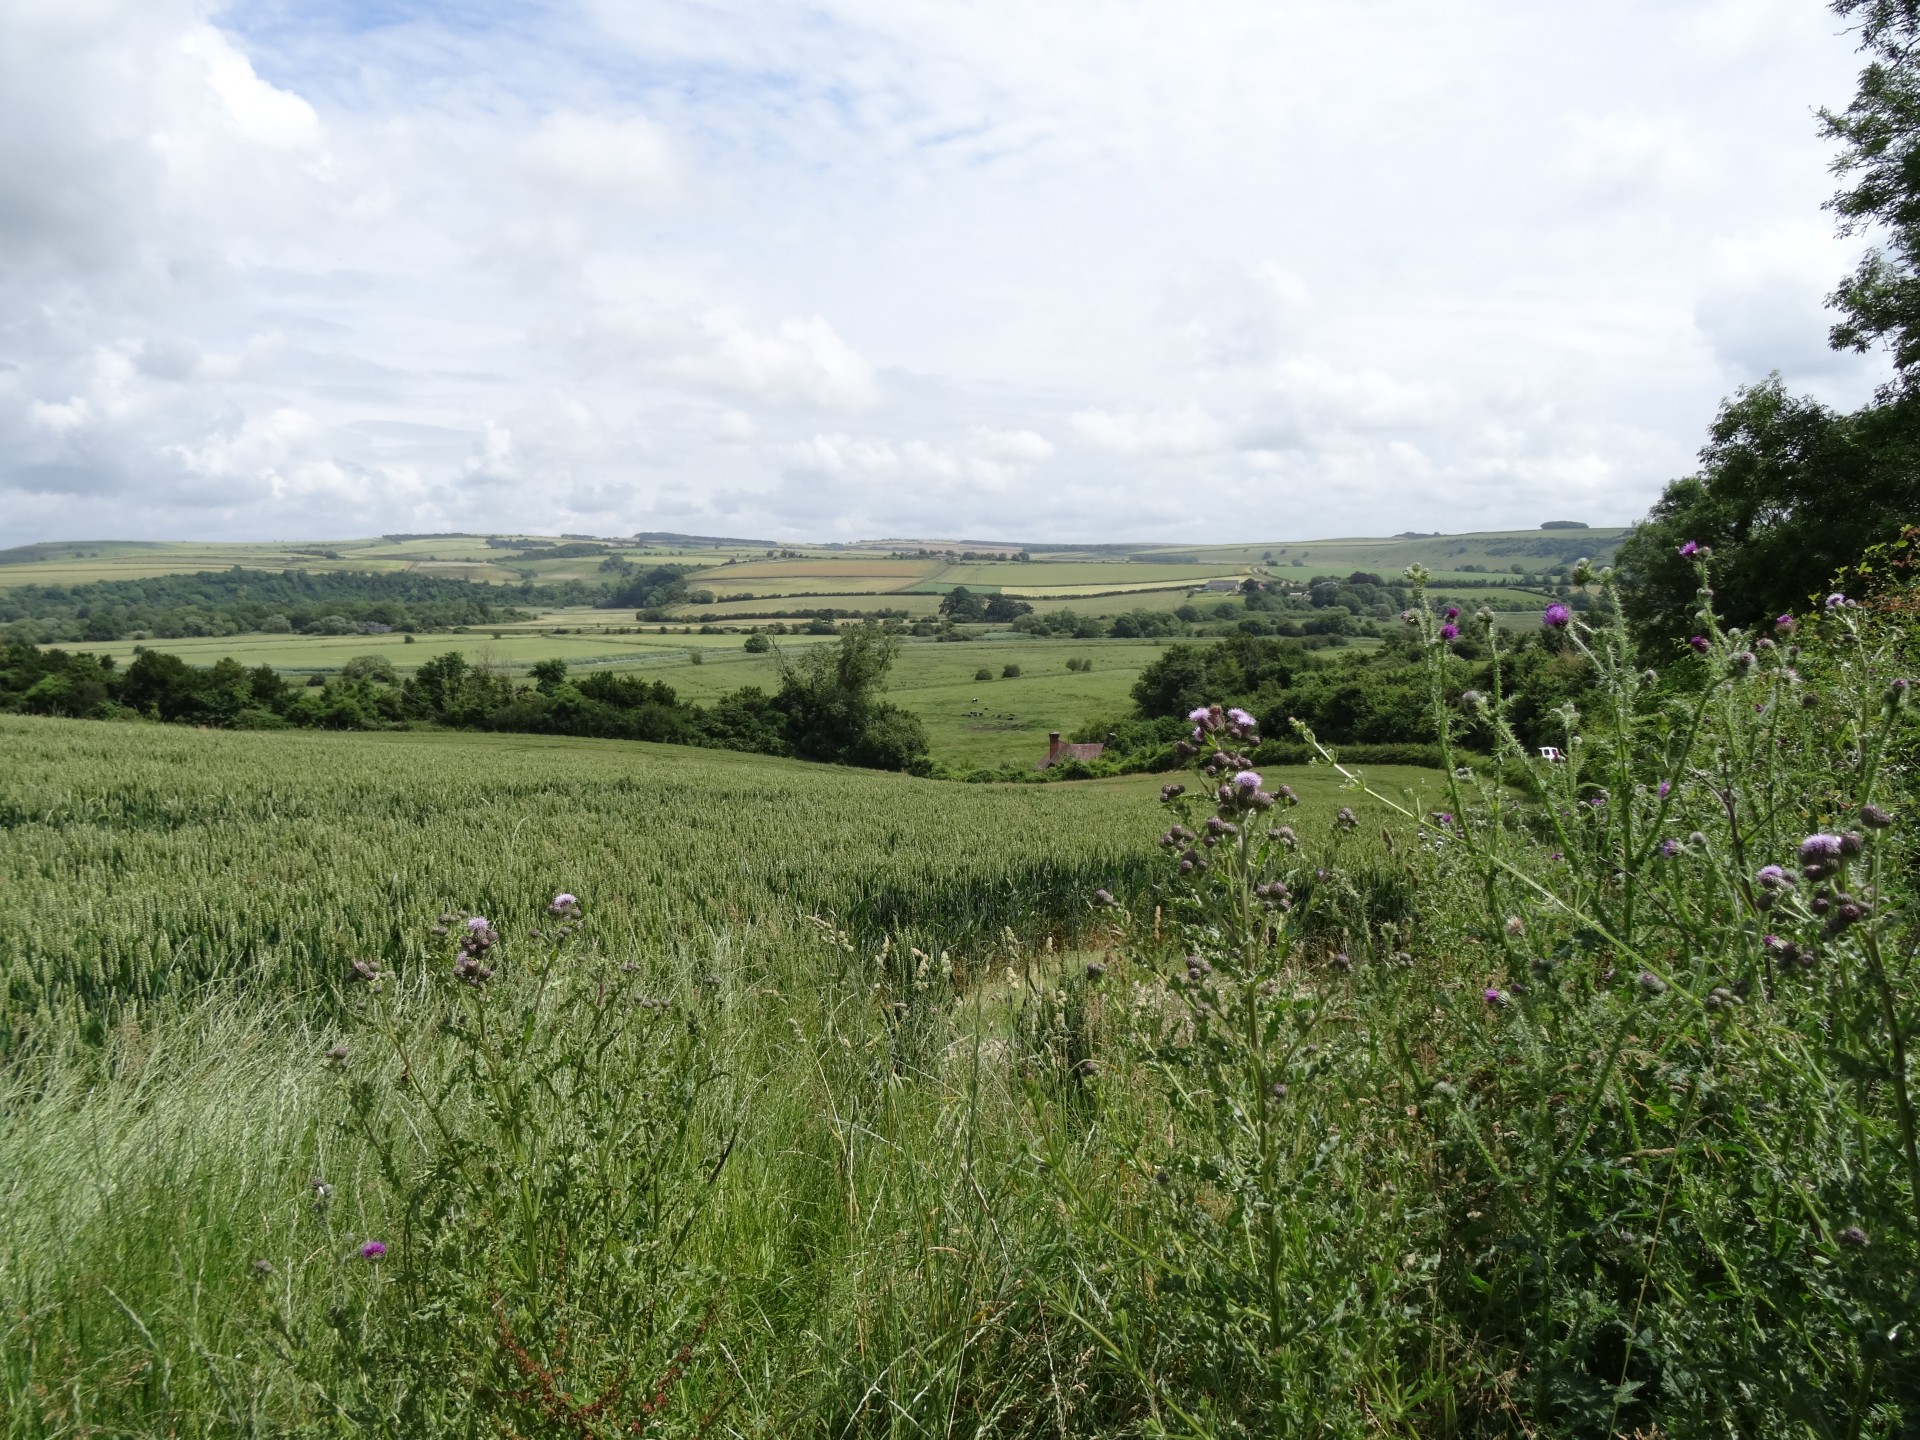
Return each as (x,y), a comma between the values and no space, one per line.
(1172,792)
(1669,848)
(1700,644)
(1819,849)
(373,1250)
(1516,927)
(1836,600)
(1853,1235)
(1664,789)
(1346,819)
(1472,699)
(1874,818)
(1494,996)
(1555,617)
(1285,836)
(562,903)
(1772,877)
(1453,612)
(263,1267)
(1689,550)
(1243,719)
(478,924)
(1285,792)
(1443,818)
(1197,968)
(1783,622)
(1484,617)
(1104,898)
(1652,983)
(1409,617)
(1449,632)
(1246,782)
(1745,661)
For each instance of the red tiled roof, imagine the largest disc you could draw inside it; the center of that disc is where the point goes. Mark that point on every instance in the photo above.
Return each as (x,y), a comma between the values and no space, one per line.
(1073,752)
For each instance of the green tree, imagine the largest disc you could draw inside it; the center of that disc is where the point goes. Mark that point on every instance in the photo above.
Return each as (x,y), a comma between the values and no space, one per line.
(1879,136)
(1788,491)
(961,604)
(831,697)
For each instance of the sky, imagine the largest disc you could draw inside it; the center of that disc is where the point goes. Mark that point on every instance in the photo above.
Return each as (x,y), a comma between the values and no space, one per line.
(854,269)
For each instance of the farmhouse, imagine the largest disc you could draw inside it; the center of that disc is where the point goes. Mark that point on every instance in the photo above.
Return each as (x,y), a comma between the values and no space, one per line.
(1221,587)
(1058,754)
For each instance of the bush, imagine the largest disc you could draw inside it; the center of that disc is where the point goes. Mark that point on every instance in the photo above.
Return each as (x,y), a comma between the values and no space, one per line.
(1009,672)
(758,645)
(370,667)
(983,673)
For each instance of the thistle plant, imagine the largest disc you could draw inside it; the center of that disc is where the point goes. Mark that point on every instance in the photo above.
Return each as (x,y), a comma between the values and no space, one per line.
(1252,1296)
(1691,1075)
(531,1110)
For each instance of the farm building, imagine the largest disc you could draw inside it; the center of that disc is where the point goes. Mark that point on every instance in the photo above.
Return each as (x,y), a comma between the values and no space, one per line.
(1221,587)
(1058,754)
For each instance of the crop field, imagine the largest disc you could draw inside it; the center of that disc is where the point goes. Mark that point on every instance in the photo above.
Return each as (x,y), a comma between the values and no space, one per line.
(1106,574)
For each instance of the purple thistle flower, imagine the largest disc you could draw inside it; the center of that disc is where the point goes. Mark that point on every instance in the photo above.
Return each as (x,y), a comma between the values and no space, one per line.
(1198,716)
(1772,877)
(1556,617)
(1669,848)
(1836,600)
(1689,550)
(1449,632)
(478,924)
(1494,996)
(1247,781)
(1700,644)
(1664,789)
(373,1250)
(1783,622)
(563,902)
(1242,719)
(1410,617)
(1816,849)
(1453,612)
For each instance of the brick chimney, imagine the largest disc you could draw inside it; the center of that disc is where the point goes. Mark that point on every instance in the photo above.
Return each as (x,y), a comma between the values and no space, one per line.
(1053,746)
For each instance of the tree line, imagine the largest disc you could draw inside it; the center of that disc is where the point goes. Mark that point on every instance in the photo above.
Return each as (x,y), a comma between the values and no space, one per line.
(827,707)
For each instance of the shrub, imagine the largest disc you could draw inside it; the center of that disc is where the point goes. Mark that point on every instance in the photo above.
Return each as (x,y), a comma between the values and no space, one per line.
(1009,672)
(370,667)
(983,673)
(758,645)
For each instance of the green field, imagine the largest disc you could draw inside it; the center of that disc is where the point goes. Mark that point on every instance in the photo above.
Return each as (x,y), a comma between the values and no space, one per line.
(827,571)
(177,941)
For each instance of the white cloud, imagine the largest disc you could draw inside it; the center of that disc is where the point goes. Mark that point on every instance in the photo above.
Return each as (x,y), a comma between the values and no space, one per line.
(997,269)
(1187,431)
(602,154)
